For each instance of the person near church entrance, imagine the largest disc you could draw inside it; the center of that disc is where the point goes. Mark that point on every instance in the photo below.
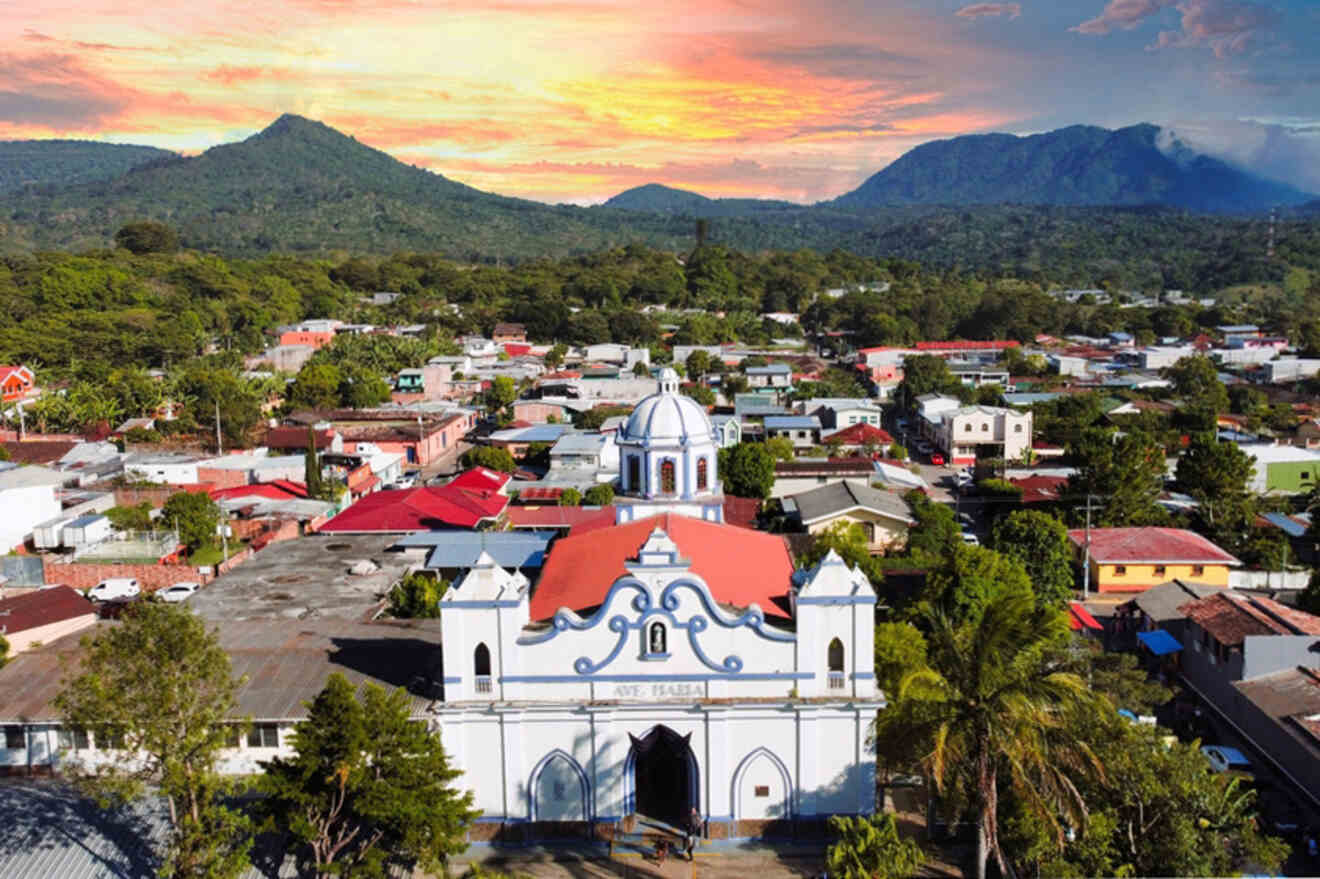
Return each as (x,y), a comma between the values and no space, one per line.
(693,832)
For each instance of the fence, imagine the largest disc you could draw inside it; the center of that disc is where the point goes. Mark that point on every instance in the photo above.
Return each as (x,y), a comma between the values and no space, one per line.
(1268,579)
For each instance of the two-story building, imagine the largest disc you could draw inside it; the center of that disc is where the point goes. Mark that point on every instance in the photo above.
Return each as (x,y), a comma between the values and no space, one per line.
(770,378)
(803,431)
(1135,559)
(966,434)
(16,382)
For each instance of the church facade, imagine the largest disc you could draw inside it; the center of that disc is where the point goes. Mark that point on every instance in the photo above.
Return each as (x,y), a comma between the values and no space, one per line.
(666,663)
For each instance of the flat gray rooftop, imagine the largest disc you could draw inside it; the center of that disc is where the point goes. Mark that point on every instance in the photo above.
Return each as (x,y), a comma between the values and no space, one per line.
(308,578)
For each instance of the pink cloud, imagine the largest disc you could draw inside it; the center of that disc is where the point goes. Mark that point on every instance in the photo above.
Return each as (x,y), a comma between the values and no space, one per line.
(1125,14)
(1230,27)
(981,10)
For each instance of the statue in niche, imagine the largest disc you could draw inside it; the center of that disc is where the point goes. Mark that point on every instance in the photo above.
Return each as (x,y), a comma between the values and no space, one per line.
(658,638)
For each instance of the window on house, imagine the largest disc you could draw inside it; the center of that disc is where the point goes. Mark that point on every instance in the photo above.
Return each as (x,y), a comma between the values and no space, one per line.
(702,477)
(1120,570)
(968,428)
(231,735)
(634,473)
(1017,428)
(264,735)
(73,739)
(14,737)
(668,481)
(110,738)
(985,428)
(1159,570)
(1306,474)
(1198,570)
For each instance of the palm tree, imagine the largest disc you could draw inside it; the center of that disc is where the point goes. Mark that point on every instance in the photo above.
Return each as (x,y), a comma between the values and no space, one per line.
(991,707)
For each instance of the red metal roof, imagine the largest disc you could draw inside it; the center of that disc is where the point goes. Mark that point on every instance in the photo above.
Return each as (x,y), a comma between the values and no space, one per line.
(481,479)
(419,509)
(1080,618)
(517,349)
(43,607)
(741,566)
(279,490)
(1041,489)
(966,346)
(535,493)
(1231,616)
(1151,546)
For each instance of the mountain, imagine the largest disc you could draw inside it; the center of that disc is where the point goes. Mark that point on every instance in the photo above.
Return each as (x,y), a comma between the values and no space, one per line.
(301,186)
(658,199)
(42,162)
(1079,165)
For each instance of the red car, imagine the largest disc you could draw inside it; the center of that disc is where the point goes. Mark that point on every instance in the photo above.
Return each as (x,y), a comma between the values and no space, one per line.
(936,459)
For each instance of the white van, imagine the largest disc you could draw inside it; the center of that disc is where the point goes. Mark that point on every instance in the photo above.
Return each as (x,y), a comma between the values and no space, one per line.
(114,589)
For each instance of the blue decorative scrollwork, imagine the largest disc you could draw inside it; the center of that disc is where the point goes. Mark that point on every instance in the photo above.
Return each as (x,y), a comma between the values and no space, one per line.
(583,664)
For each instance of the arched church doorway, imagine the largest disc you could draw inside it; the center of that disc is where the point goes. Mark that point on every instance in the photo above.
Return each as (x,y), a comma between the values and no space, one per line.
(664,776)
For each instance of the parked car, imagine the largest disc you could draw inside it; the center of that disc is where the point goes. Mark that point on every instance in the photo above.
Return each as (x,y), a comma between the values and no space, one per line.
(1225,759)
(115,589)
(966,520)
(970,539)
(178,592)
(936,459)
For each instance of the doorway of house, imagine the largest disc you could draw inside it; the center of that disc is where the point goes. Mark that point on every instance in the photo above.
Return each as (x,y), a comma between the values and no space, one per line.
(664,776)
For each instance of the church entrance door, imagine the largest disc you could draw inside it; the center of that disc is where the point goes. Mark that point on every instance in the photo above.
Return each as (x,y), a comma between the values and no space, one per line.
(664,775)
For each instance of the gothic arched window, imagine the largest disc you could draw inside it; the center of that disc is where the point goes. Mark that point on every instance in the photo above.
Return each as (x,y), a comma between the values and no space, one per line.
(836,655)
(668,480)
(701,474)
(481,661)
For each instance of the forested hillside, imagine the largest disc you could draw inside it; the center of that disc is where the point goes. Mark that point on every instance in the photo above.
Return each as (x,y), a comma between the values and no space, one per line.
(64,162)
(1079,165)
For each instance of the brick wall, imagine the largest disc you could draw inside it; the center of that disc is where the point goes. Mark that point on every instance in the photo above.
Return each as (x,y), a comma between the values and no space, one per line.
(156,495)
(234,561)
(150,577)
(223,477)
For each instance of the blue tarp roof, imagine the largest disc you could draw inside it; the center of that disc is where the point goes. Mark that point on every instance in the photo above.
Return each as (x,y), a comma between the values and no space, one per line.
(1290,525)
(1159,642)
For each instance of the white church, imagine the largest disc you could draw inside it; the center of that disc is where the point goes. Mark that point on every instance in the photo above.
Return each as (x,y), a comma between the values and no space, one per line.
(666,663)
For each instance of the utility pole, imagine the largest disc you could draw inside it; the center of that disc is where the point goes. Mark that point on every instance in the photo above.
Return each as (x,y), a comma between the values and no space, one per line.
(22,421)
(219,447)
(1086,562)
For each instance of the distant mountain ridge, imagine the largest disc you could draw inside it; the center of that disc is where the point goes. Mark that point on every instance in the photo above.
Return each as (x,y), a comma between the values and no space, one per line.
(1080,165)
(65,162)
(660,199)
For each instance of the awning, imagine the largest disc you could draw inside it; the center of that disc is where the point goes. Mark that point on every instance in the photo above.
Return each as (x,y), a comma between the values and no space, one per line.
(1159,642)
(1080,618)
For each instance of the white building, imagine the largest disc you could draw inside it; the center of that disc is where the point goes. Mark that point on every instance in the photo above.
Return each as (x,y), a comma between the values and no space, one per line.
(27,498)
(666,663)
(1290,369)
(966,433)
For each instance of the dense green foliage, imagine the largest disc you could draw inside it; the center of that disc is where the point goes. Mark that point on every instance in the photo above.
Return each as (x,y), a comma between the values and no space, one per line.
(869,847)
(45,163)
(195,516)
(368,790)
(748,470)
(1040,543)
(417,596)
(159,686)
(489,456)
(599,495)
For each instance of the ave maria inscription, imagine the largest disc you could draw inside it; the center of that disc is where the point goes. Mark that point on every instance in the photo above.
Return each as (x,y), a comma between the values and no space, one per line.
(660,691)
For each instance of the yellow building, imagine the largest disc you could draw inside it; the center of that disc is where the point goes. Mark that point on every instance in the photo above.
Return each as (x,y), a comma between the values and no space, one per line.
(1135,559)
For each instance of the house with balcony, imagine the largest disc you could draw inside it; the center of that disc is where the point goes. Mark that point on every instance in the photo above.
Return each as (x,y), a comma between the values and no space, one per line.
(771,378)
(967,434)
(803,431)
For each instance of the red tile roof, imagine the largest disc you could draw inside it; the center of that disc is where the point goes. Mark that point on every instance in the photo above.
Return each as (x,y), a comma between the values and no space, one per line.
(1151,546)
(740,566)
(296,438)
(860,434)
(741,511)
(43,607)
(38,451)
(1231,616)
(517,349)
(536,493)
(966,346)
(418,509)
(1041,489)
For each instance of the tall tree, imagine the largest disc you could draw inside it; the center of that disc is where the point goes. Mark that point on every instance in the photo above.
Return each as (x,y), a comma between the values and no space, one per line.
(1040,542)
(159,687)
(1125,473)
(312,467)
(195,516)
(1217,475)
(924,374)
(986,710)
(368,788)
(747,469)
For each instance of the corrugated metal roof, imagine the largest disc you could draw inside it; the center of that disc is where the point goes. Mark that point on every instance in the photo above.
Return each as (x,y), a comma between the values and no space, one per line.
(286,663)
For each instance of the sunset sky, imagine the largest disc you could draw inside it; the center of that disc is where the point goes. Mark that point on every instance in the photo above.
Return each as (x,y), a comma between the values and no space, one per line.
(576,100)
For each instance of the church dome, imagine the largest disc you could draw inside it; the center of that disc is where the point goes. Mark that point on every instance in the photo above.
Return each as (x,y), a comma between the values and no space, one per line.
(668,415)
